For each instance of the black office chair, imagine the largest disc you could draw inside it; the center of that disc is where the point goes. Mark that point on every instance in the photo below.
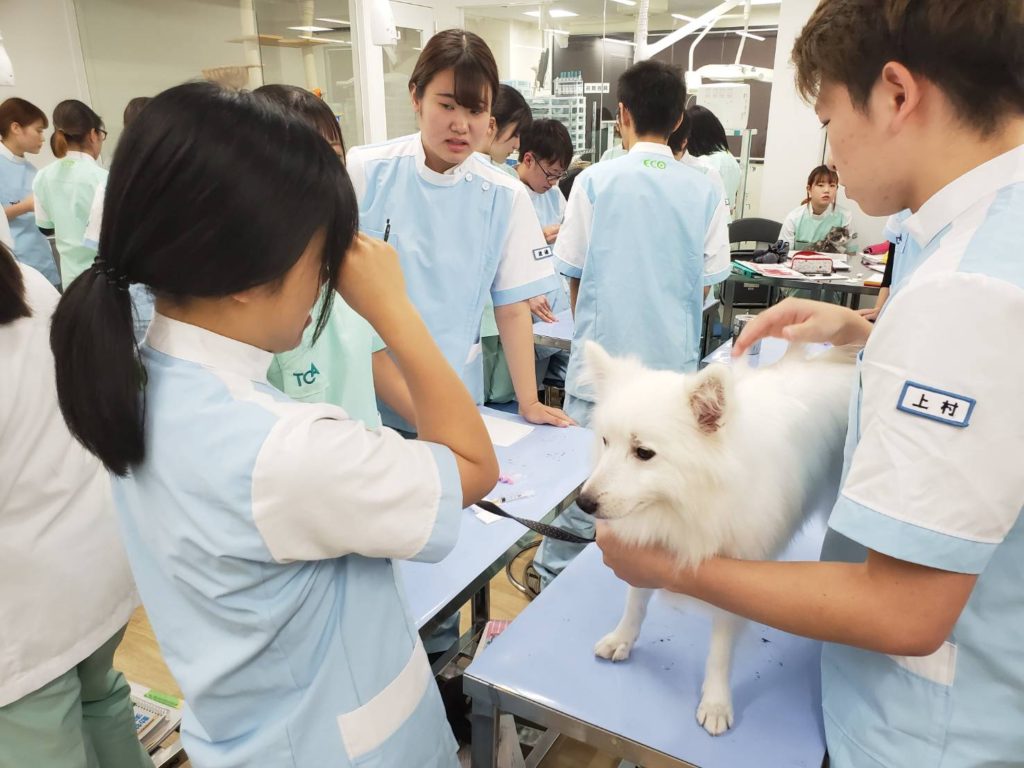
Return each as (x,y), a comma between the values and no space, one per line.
(760,232)
(746,236)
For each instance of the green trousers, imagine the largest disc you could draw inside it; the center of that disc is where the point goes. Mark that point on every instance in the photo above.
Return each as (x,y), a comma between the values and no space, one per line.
(83,719)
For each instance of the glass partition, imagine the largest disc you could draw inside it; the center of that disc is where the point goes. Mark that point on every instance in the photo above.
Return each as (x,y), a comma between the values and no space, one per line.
(566,57)
(310,44)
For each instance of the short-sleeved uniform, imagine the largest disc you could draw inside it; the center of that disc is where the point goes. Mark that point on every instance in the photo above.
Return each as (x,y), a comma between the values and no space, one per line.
(6,236)
(64,192)
(489,326)
(67,586)
(728,168)
(803,227)
(259,530)
(459,235)
(30,247)
(644,235)
(142,299)
(550,207)
(703,165)
(933,477)
(613,152)
(337,368)
(906,254)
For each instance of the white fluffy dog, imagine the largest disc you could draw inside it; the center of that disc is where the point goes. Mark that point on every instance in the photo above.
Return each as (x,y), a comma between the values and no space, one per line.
(728,461)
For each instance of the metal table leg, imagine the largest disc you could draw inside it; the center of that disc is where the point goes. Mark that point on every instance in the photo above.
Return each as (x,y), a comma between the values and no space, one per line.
(484,722)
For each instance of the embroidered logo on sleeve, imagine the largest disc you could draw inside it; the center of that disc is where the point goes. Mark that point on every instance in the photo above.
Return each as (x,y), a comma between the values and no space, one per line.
(936,404)
(542,253)
(306,377)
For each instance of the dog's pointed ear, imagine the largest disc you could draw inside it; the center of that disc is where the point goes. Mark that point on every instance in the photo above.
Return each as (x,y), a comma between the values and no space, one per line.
(710,397)
(599,366)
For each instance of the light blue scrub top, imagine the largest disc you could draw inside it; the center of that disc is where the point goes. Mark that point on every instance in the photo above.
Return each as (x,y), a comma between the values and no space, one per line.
(459,235)
(260,532)
(30,247)
(933,477)
(550,209)
(644,234)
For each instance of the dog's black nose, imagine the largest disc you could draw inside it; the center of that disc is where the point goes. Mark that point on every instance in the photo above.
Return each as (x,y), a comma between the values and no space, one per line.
(587,503)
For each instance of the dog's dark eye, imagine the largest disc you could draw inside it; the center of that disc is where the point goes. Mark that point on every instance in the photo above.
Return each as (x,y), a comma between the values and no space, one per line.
(605,441)
(644,454)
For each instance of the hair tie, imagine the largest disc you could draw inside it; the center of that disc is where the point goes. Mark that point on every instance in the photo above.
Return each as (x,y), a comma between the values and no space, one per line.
(118,280)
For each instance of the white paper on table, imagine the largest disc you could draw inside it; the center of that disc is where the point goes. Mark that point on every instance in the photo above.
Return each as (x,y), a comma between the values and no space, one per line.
(484,516)
(505,433)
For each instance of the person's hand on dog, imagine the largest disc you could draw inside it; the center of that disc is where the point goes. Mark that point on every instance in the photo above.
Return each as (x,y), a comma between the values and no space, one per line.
(642,567)
(805,321)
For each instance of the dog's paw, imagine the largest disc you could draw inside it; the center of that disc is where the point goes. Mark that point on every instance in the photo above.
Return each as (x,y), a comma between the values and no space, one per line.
(715,715)
(614,646)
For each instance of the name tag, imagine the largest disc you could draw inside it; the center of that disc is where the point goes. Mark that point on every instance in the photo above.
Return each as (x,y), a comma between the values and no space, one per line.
(542,253)
(936,404)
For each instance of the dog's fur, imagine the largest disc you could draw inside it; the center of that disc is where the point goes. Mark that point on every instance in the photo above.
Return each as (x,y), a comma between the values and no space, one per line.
(740,457)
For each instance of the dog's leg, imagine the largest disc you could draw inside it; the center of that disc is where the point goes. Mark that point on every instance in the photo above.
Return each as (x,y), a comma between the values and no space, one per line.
(715,709)
(617,644)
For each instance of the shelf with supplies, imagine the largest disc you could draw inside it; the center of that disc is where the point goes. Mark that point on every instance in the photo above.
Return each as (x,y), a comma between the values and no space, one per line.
(570,111)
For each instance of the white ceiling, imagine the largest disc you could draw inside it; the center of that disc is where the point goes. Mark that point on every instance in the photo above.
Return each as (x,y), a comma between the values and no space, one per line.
(600,16)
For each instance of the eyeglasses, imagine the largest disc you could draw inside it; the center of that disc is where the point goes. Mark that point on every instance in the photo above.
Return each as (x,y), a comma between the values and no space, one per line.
(102,132)
(551,175)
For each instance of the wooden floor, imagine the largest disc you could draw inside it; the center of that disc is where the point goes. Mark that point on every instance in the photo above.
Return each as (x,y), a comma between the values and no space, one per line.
(140,660)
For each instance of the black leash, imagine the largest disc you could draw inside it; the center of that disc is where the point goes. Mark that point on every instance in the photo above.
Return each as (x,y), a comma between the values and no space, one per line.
(551,531)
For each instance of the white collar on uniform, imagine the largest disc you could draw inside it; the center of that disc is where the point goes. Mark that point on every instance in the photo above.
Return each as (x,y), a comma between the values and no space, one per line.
(74,154)
(819,216)
(447,179)
(208,349)
(960,194)
(6,153)
(652,149)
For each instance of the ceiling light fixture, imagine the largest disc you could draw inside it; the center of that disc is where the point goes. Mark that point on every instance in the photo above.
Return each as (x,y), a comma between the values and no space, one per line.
(311,29)
(324,40)
(554,13)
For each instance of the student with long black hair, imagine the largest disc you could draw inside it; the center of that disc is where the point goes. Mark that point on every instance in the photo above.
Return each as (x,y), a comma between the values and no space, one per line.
(260,529)
(67,591)
(708,141)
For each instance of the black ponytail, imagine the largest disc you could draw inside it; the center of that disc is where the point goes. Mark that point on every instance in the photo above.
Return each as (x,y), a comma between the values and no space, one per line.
(99,376)
(210,193)
(12,289)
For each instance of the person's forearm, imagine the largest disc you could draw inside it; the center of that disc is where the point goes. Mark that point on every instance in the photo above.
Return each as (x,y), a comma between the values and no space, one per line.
(19,209)
(515,326)
(445,412)
(391,387)
(845,603)
(574,292)
(883,295)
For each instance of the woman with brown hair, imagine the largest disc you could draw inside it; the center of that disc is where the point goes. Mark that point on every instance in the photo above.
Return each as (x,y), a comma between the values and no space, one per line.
(21,132)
